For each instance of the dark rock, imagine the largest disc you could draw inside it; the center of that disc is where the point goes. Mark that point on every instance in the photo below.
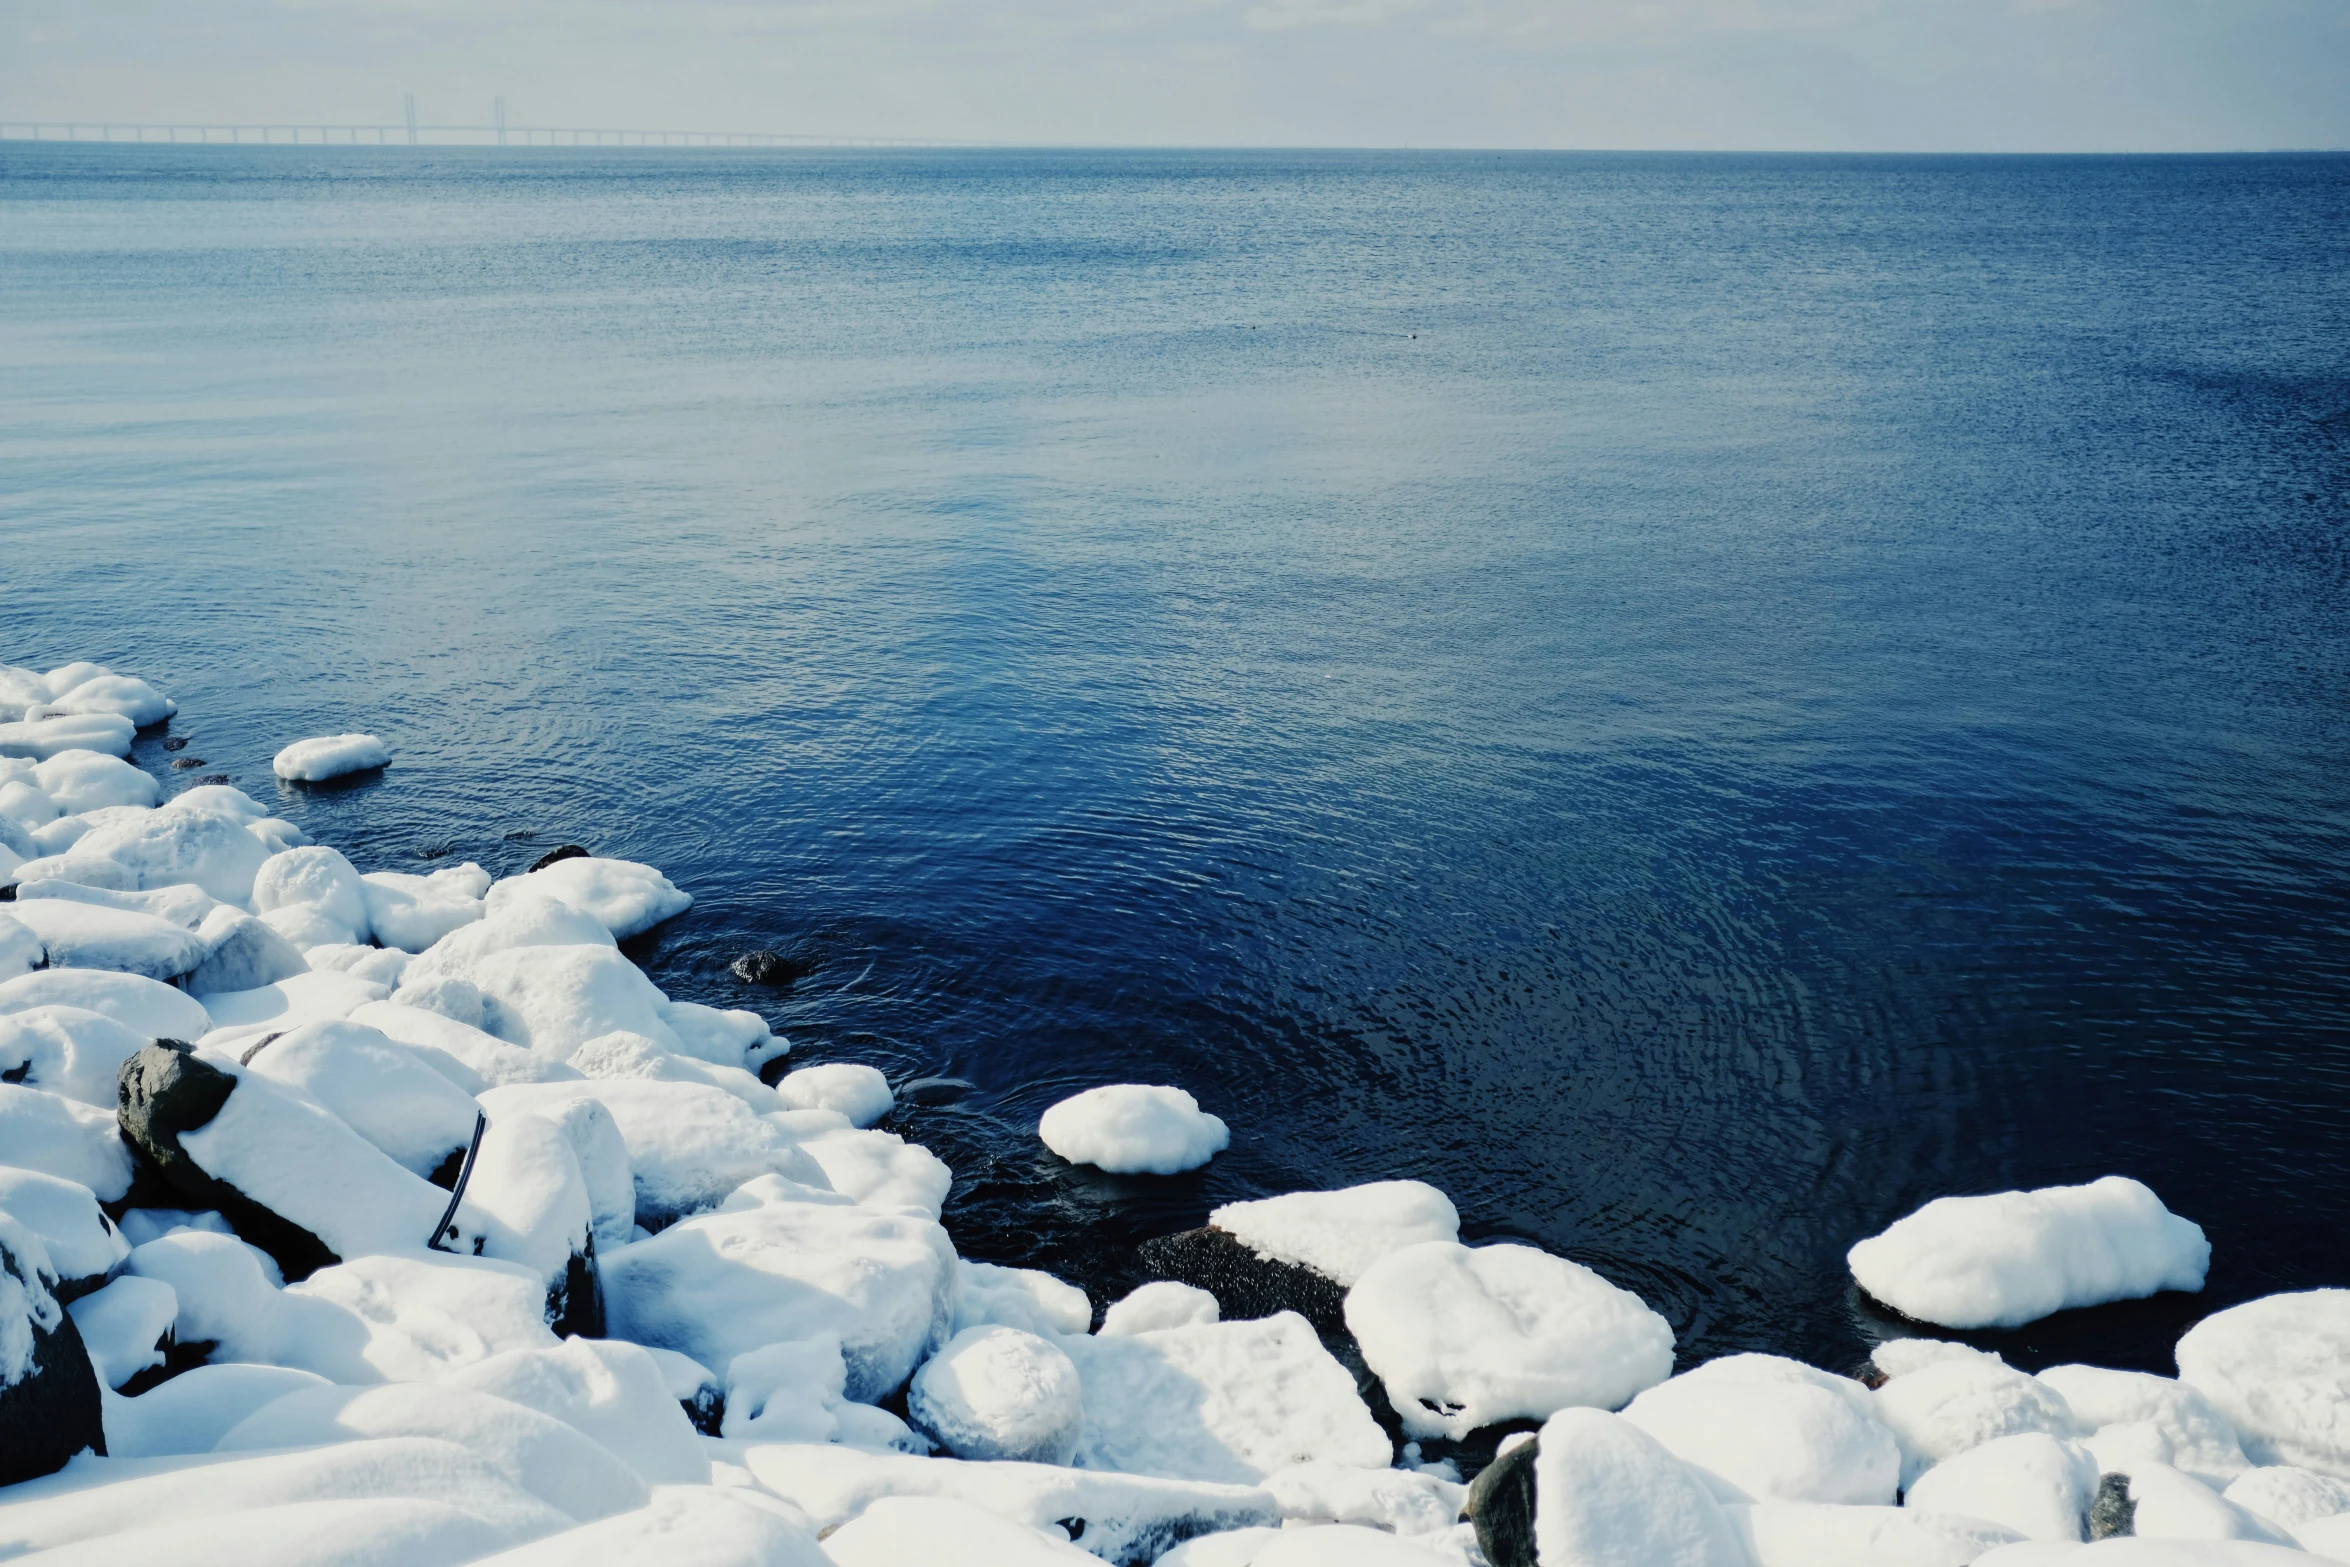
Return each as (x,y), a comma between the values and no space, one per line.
(707,1408)
(936,1090)
(185,764)
(520,835)
(8,893)
(569,851)
(175,743)
(1501,1507)
(769,967)
(166,1089)
(575,1302)
(52,1411)
(1245,1284)
(214,778)
(438,851)
(2111,1511)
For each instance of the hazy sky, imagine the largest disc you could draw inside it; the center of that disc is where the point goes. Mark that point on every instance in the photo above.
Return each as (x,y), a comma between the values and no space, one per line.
(1871,74)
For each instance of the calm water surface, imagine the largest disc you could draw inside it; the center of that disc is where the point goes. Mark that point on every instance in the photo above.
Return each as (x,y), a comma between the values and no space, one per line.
(1696,703)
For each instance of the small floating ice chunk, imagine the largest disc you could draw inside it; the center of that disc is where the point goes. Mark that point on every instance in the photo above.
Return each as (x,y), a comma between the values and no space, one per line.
(1607,1494)
(330,756)
(2014,1257)
(1134,1129)
(2032,1482)
(859,1092)
(1340,1234)
(2279,1369)
(1229,1402)
(1163,1303)
(1760,1428)
(1465,1337)
(626,898)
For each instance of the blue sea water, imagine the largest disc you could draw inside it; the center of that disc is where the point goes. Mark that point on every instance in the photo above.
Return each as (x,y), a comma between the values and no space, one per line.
(1696,703)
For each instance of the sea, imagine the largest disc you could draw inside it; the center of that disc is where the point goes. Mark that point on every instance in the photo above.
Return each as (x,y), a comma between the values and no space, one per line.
(1696,703)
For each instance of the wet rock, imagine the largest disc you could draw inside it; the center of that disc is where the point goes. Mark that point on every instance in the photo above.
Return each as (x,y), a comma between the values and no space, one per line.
(184,764)
(1245,1284)
(166,1090)
(214,778)
(2111,1511)
(936,1090)
(175,743)
(520,835)
(1501,1507)
(769,967)
(51,1411)
(569,851)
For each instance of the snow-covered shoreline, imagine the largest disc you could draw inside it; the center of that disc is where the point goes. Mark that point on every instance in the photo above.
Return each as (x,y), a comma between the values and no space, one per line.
(378,1217)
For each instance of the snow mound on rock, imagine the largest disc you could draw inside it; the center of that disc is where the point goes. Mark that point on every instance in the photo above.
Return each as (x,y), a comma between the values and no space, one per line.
(2279,1369)
(2014,1257)
(1339,1234)
(1464,1337)
(998,1393)
(1134,1129)
(330,756)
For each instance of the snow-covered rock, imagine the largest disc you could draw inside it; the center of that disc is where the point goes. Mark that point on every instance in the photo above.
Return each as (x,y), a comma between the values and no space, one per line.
(1466,1337)
(123,1326)
(2197,1436)
(329,756)
(319,880)
(1607,1494)
(1121,1518)
(154,849)
(91,936)
(1229,1402)
(614,1393)
(2289,1496)
(1946,1407)
(1760,1428)
(898,1530)
(859,1092)
(1339,1234)
(553,1000)
(732,1038)
(2034,1483)
(413,1114)
(626,898)
(2014,1257)
(999,1393)
(21,951)
(2167,1503)
(881,1169)
(194,1410)
(1134,1129)
(242,953)
(689,1145)
(66,1138)
(528,1201)
(49,1392)
(147,1008)
(1401,1501)
(76,782)
(125,696)
(111,1506)
(1345,1545)
(82,1244)
(42,738)
(1024,1298)
(791,1391)
(778,1263)
(2278,1369)
(462,1053)
(1163,1303)
(1814,1534)
(315,997)
(700,1525)
(413,912)
(622,1054)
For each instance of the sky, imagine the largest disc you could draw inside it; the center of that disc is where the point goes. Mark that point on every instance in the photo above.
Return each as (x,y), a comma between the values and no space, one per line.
(1866,75)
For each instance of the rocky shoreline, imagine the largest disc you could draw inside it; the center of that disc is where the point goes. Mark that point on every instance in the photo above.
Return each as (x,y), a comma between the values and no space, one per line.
(399,1218)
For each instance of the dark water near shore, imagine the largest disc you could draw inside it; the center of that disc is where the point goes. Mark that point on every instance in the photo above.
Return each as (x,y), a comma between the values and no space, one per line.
(1695,703)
